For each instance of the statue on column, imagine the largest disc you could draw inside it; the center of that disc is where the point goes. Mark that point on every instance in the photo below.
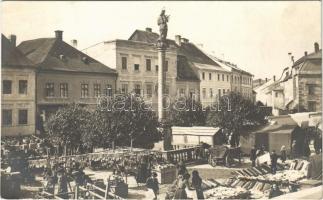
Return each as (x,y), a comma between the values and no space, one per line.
(162,23)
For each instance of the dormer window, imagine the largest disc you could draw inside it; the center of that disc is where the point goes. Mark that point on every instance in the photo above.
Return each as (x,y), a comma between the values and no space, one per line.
(62,57)
(85,60)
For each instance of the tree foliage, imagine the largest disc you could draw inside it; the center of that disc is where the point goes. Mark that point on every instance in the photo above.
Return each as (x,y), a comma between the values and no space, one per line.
(122,120)
(68,125)
(186,111)
(234,113)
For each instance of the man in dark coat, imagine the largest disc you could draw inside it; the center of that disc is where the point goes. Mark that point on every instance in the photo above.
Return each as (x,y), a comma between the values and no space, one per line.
(273,158)
(253,156)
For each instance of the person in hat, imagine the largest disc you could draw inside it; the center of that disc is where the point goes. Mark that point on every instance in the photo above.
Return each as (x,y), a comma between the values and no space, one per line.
(283,154)
(152,184)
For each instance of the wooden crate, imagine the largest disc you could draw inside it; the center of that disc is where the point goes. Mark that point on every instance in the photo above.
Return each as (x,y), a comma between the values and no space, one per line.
(166,175)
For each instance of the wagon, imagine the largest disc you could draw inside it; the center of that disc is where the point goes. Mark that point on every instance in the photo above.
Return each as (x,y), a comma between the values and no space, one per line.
(223,155)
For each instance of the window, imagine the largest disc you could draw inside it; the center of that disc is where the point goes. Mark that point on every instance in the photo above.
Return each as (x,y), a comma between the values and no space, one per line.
(166,66)
(156,66)
(97,90)
(228,78)
(311,89)
(49,89)
(124,88)
(137,89)
(124,62)
(218,77)
(136,67)
(6,117)
(210,76)
(276,94)
(6,86)
(219,92)
(204,93)
(203,75)
(84,90)
(22,116)
(222,77)
(311,106)
(108,90)
(228,91)
(148,64)
(149,91)
(235,79)
(211,92)
(223,91)
(181,92)
(63,90)
(23,86)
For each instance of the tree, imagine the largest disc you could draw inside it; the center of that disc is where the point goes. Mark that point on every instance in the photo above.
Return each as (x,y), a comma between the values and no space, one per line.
(235,113)
(186,111)
(67,126)
(128,121)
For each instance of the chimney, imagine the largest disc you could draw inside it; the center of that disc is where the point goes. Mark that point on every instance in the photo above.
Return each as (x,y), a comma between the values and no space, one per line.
(184,40)
(274,78)
(59,35)
(266,80)
(74,43)
(13,39)
(178,40)
(148,29)
(316,47)
(292,59)
(305,53)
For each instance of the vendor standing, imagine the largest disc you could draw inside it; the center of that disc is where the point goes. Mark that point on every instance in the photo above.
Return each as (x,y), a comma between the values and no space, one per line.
(273,158)
(253,156)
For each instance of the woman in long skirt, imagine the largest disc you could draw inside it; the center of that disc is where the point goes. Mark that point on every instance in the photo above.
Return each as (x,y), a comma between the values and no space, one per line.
(182,184)
(197,184)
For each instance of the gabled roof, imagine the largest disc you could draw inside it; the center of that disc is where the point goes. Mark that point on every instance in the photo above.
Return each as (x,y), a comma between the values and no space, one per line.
(224,63)
(188,54)
(12,56)
(55,54)
(185,69)
(148,37)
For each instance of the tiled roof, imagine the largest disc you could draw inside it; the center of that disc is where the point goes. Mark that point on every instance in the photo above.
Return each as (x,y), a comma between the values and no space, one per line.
(222,62)
(185,69)
(148,37)
(12,56)
(55,54)
(188,54)
(312,56)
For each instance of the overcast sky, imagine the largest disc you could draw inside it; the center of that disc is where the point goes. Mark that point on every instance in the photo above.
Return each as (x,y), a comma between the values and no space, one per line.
(257,36)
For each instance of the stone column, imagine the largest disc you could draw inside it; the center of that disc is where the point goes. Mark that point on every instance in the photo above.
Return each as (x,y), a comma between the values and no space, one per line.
(161,81)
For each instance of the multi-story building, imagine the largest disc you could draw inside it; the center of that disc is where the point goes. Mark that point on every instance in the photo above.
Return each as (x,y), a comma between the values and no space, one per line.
(18,90)
(241,80)
(66,75)
(298,89)
(307,81)
(136,62)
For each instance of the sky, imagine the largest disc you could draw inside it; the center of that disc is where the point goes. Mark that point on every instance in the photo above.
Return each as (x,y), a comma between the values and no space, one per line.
(256,36)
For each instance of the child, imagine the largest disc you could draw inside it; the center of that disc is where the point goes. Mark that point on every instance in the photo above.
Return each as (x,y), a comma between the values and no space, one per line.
(152,184)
